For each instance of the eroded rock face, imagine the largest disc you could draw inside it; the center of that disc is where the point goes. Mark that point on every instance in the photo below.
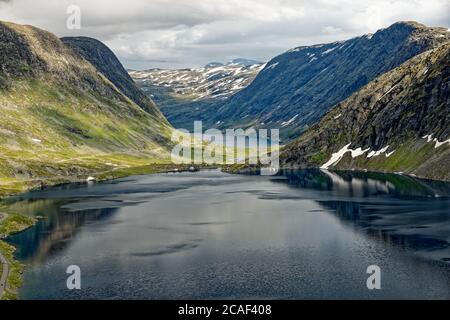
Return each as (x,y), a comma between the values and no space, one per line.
(297,88)
(395,113)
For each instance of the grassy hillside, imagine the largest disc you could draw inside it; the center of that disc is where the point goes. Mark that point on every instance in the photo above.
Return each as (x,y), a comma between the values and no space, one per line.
(62,119)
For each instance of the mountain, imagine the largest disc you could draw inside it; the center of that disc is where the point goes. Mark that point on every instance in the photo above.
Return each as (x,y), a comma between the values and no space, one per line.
(399,122)
(296,88)
(105,60)
(62,117)
(182,94)
(244,62)
(214,65)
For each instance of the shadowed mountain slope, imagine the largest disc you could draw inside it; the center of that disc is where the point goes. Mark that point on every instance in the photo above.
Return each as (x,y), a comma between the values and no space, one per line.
(399,122)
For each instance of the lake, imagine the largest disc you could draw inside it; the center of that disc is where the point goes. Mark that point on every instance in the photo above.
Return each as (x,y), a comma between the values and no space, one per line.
(308,234)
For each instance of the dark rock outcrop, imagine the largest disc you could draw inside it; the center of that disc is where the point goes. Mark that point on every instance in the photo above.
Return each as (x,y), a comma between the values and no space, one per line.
(405,113)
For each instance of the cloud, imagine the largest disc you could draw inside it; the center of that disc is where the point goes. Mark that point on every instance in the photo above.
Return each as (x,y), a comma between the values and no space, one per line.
(179,33)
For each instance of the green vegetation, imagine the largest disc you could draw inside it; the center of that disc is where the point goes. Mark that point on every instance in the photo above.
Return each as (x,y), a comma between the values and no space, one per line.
(319,157)
(14,223)
(10,224)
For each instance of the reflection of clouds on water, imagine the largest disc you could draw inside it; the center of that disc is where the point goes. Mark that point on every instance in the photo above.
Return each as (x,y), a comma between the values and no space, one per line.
(359,186)
(411,217)
(304,235)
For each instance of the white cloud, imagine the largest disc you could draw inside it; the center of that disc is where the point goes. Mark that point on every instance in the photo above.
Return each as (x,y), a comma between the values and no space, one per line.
(179,33)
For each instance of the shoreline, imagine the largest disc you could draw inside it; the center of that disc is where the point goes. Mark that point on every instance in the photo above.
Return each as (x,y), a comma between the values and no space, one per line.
(11,223)
(12,270)
(117,173)
(21,223)
(240,169)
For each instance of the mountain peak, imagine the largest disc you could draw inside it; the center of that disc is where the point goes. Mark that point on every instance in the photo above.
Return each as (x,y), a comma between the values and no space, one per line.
(214,65)
(244,62)
(410,23)
(98,54)
(235,62)
(412,27)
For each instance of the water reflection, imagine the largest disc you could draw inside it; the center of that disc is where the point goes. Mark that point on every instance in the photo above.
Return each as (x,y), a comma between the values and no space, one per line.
(302,234)
(54,231)
(411,213)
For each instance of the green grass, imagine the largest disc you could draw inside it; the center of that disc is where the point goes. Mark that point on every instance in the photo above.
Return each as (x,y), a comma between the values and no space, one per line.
(11,224)
(54,133)
(406,158)
(319,158)
(14,223)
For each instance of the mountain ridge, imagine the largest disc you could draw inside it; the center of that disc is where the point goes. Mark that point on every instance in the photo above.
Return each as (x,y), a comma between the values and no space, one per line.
(181,92)
(98,54)
(399,122)
(62,118)
(299,86)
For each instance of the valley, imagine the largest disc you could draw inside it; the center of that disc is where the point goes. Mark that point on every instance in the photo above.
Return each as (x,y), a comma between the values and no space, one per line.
(195,92)
(358,118)
(63,120)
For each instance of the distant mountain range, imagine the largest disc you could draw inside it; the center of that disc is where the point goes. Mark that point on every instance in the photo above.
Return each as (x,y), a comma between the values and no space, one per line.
(377,102)
(399,122)
(182,91)
(237,62)
(295,89)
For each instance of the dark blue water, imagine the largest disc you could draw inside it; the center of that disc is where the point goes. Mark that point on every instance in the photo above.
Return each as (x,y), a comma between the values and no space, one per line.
(303,234)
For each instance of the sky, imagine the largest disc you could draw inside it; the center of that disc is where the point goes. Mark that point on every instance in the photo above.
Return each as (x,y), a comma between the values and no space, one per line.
(190,33)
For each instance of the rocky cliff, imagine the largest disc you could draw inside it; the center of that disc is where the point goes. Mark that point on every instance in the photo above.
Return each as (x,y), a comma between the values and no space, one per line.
(399,122)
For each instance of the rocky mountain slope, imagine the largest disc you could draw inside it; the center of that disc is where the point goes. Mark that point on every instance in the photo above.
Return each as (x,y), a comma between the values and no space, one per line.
(296,88)
(182,93)
(399,122)
(105,60)
(62,117)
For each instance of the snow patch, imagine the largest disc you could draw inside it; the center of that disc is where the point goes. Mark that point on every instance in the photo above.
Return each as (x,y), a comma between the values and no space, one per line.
(273,65)
(286,123)
(388,154)
(36,140)
(377,153)
(438,143)
(338,116)
(389,90)
(337,156)
(328,51)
